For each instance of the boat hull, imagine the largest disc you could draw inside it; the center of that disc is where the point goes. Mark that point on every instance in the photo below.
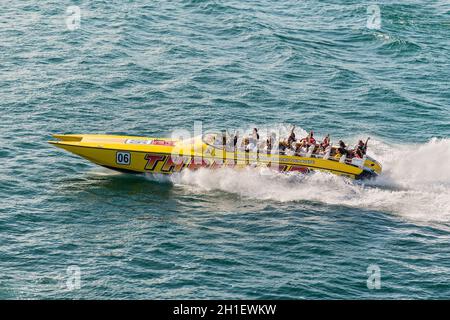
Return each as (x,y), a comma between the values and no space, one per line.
(154,155)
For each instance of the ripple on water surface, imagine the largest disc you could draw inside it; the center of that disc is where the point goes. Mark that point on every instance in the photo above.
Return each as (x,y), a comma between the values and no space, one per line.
(146,68)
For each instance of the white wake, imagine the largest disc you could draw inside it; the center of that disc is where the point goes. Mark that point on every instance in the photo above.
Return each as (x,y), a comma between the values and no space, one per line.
(415,182)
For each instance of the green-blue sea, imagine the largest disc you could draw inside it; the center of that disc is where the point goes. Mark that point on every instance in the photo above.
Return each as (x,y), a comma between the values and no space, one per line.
(72,230)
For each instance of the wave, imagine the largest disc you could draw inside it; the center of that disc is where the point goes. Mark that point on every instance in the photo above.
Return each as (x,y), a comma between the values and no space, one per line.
(415,182)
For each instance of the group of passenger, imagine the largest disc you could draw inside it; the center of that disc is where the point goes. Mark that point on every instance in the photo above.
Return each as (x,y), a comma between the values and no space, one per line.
(291,145)
(359,151)
(309,145)
(304,145)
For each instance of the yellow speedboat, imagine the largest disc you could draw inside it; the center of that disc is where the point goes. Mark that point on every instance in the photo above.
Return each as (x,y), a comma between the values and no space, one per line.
(160,155)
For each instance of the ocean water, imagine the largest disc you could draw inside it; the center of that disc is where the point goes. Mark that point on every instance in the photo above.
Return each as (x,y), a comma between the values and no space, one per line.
(149,67)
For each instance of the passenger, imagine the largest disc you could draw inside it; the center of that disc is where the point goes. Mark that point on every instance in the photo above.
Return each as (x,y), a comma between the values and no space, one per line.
(291,137)
(314,149)
(255,136)
(282,146)
(301,147)
(295,145)
(232,141)
(245,143)
(235,139)
(325,143)
(269,143)
(360,149)
(342,148)
(224,138)
(310,138)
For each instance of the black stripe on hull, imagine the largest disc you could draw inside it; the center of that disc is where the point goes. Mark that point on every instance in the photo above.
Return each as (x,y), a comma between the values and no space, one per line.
(366,175)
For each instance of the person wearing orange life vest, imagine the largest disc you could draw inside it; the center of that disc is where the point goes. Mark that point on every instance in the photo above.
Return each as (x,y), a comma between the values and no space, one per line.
(310,138)
(308,141)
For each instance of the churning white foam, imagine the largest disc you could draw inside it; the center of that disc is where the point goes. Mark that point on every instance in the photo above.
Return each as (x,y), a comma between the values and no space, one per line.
(415,182)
